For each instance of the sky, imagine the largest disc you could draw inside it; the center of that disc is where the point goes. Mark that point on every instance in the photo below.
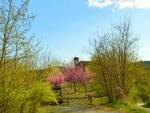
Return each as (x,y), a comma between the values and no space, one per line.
(65,27)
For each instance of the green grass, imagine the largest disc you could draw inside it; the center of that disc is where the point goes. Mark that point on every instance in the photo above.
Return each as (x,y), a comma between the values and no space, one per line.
(128,108)
(136,110)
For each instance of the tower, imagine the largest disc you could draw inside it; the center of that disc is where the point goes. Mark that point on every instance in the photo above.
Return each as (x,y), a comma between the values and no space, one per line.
(76,61)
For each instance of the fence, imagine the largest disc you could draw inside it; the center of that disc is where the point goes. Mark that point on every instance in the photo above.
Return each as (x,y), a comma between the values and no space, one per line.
(88,97)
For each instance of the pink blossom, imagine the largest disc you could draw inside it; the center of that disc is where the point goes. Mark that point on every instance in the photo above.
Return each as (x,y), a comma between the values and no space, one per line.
(56,80)
(76,75)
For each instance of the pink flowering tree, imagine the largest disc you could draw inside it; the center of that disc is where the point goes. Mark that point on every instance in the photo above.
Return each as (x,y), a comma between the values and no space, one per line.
(56,80)
(75,75)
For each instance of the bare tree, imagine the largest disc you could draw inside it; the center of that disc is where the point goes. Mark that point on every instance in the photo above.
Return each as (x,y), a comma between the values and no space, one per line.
(112,53)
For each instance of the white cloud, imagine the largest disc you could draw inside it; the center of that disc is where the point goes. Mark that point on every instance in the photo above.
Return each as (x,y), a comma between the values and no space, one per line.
(121,4)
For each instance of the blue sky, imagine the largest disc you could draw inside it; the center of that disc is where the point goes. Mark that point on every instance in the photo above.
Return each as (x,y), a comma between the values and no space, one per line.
(65,27)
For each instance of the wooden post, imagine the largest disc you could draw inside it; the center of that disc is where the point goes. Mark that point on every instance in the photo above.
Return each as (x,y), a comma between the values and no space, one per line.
(90,98)
(68,101)
(75,89)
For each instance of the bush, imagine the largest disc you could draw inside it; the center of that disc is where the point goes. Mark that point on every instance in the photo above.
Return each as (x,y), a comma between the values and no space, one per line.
(22,92)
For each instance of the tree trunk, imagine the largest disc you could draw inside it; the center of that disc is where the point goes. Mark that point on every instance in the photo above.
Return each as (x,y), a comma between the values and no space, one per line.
(75,89)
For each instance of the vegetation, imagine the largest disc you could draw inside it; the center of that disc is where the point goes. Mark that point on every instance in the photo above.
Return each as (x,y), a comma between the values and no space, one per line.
(56,80)
(20,89)
(113,53)
(127,108)
(115,72)
(75,75)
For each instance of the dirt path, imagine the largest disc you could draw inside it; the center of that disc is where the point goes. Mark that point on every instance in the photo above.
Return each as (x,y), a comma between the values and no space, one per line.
(80,109)
(76,107)
(84,107)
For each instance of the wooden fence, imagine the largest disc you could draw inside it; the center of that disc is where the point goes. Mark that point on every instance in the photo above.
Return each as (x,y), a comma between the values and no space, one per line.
(88,97)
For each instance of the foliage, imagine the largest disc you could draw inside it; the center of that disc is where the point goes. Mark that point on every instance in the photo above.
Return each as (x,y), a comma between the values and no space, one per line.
(95,85)
(24,93)
(127,107)
(21,91)
(147,104)
(140,82)
(117,70)
(112,54)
